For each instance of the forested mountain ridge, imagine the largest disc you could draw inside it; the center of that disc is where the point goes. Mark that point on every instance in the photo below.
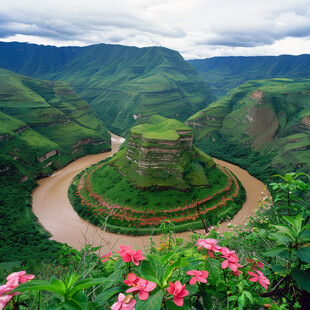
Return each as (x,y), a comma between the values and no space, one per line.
(225,73)
(123,84)
(263,124)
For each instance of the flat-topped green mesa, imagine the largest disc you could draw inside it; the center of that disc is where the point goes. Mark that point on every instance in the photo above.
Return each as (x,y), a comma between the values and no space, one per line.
(160,128)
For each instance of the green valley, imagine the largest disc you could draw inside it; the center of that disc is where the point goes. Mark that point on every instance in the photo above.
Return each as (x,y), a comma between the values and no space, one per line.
(124,85)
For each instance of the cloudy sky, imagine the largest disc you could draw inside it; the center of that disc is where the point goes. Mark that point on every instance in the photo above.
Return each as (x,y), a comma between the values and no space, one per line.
(195,28)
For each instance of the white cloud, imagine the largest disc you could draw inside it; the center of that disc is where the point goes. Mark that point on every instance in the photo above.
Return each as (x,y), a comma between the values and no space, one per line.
(196,28)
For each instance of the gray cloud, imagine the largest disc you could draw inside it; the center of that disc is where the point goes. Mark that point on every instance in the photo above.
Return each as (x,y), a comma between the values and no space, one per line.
(194,27)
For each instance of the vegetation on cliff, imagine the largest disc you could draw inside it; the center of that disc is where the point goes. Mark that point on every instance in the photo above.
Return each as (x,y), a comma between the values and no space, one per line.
(159,176)
(262,125)
(43,126)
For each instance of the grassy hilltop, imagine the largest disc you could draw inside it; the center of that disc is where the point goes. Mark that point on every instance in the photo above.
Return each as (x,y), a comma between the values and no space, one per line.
(160,175)
(123,84)
(263,123)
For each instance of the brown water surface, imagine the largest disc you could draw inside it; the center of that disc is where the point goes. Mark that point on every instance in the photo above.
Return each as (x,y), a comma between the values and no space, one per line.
(54,211)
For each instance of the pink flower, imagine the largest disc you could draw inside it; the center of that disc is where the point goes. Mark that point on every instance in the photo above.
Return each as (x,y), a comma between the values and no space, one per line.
(254,263)
(132,279)
(178,291)
(123,249)
(231,259)
(15,277)
(106,256)
(263,281)
(200,276)
(131,255)
(4,300)
(209,244)
(143,287)
(124,303)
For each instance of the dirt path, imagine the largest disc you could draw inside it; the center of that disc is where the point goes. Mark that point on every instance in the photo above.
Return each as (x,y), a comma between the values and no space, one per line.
(54,211)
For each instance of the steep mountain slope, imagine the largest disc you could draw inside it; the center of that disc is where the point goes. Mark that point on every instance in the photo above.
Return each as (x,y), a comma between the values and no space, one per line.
(266,119)
(225,73)
(44,125)
(121,83)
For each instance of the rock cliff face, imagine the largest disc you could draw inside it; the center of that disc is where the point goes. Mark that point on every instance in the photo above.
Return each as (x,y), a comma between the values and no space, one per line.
(161,154)
(153,155)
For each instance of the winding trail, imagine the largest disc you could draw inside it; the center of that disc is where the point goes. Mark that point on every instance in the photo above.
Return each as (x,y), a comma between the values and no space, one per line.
(55,213)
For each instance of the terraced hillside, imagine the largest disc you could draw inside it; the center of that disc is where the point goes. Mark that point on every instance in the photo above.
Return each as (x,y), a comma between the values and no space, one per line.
(123,84)
(159,176)
(226,73)
(264,123)
(44,125)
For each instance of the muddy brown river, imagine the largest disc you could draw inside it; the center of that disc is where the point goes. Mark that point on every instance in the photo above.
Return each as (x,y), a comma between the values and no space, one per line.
(55,213)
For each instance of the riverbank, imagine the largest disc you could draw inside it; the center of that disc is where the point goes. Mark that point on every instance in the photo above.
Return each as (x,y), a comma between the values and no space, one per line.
(55,213)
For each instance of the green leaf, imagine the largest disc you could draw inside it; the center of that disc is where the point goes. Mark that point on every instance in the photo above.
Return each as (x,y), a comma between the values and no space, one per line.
(277,251)
(283,271)
(182,262)
(103,297)
(59,283)
(241,301)
(249,296)
(302,277)
(152,269)
(165,260)
(87,283)
(281,238)
(304,254)
(152,303)
(39,285)
(287,231)
(78,303)
(304,234)
(213,266)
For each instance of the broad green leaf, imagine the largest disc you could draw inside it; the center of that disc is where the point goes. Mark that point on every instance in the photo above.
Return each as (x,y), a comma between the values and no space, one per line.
(93,306)
(59,283)
(39,285)
(192,289)
(241,301)
(152,269)
(213,266)
(304,234)
(103,297)
(277,251)
(87,283)
(233,298)
(283,271)
(302,277)
(182,262)
(152,303)
(296,222)
(288,231)
(281,238)
(70,280)
(165,260)
(249,296)
(304,254)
